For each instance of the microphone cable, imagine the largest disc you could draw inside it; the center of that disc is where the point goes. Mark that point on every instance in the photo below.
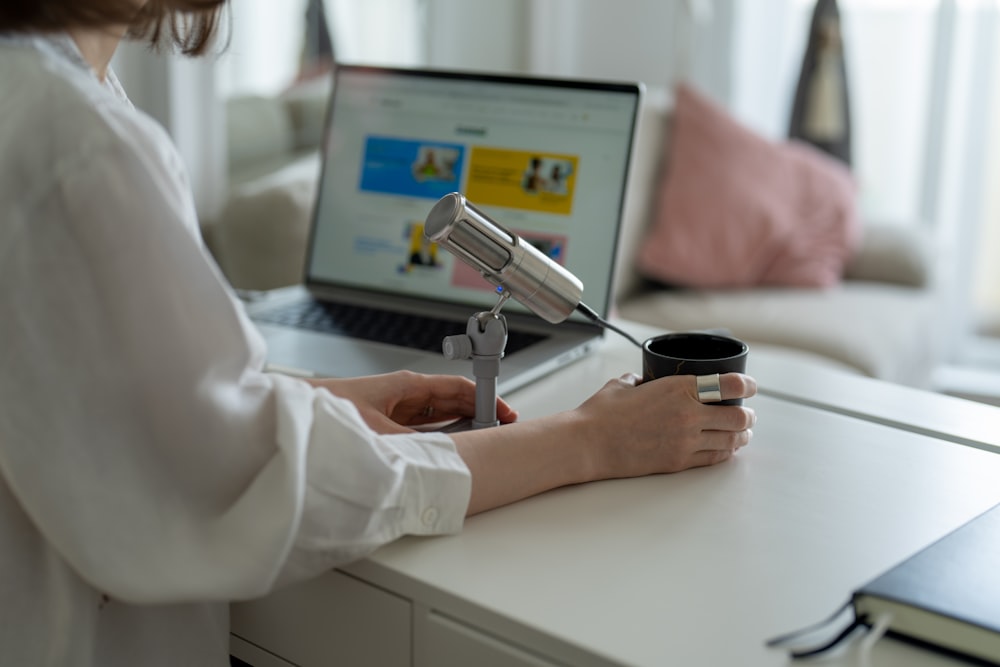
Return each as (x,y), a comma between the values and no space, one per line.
(591,314)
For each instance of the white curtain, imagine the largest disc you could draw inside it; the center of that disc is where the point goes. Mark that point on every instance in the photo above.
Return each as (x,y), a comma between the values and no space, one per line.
(386,32)
(923,77)
(986,298)
(263,57)
(264,47)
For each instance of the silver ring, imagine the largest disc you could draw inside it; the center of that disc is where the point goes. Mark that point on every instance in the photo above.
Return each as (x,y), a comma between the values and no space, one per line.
(709,389)
(428,411)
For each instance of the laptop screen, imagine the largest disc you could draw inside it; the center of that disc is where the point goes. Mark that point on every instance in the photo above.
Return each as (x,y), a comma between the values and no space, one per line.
(548,159)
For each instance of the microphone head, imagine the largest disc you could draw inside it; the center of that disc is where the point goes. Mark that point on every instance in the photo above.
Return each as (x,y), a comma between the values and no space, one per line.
(503,258)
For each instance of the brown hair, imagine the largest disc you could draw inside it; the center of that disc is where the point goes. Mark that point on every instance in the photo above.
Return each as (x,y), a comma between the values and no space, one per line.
(188,25)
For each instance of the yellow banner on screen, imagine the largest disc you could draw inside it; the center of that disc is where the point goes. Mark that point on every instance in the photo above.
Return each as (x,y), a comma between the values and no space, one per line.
(541,182)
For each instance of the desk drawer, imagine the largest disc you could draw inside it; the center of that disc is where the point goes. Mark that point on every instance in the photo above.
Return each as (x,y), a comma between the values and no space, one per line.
(331,620)
(445,642)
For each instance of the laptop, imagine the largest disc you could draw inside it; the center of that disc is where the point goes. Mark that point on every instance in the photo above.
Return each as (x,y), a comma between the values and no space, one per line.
(546,158)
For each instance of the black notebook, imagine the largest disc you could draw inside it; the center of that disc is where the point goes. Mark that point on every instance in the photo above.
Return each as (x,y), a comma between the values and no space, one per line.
(946,595)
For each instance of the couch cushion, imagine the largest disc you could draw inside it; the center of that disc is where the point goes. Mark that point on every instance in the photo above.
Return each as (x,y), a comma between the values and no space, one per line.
(306,103)
(893,253)
(259,239)
(884,331)
(258,130)
(738,210)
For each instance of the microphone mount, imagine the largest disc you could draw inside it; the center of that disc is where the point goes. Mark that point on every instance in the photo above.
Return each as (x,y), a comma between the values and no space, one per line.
(484,341)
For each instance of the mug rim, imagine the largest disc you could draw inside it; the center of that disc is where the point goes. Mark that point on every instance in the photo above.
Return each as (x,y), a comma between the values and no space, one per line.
(744,348)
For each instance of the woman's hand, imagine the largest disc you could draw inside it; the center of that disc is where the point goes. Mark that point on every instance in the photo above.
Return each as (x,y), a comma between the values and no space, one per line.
(396,402)
(660,425)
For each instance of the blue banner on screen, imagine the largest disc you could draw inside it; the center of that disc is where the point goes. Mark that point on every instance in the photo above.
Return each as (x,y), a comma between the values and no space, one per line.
(411,168)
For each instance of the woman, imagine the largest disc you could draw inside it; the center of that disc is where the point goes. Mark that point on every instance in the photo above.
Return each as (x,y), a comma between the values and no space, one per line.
(150,471)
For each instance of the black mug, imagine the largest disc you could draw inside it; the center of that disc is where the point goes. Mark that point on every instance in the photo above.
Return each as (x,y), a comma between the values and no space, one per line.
(694,353)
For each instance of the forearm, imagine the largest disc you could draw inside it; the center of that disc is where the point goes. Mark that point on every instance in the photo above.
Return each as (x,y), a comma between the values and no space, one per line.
(516,461)
(624,430)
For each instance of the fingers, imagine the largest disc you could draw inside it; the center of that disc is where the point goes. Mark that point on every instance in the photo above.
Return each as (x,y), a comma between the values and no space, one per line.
(446,409)
(437,398)
(720,430)
(728,418)
(725,440)
(731,386)
(717,417)
(731,418)
(718,446)
(737,385)
(630,379)
(505,413)
(710,457)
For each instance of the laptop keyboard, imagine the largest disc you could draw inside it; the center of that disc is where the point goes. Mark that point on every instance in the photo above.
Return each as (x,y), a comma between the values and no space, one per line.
(418,332)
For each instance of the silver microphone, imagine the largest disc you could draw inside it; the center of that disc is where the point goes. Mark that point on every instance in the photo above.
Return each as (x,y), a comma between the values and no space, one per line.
(503,258)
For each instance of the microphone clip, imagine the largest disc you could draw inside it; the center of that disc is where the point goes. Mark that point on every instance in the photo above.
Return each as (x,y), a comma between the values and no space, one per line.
(484,341)
(494,312)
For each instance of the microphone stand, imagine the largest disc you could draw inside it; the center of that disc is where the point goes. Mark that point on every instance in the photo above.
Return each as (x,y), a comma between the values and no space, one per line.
(484,341)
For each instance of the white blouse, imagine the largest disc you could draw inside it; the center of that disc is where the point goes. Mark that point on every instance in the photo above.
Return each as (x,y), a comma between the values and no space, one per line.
(150,472)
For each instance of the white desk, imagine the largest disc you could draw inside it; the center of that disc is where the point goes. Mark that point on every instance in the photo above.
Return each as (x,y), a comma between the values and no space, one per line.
(792,376)
(696,568)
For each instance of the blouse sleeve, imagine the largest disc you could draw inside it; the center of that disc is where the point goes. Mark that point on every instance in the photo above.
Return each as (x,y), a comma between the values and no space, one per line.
(139,432)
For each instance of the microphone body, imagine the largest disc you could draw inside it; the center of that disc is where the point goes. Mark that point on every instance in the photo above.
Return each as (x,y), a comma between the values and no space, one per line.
(503,258)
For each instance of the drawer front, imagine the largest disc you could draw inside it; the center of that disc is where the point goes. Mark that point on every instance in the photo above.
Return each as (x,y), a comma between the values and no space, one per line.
(252,655)
(444,642)
(334,619)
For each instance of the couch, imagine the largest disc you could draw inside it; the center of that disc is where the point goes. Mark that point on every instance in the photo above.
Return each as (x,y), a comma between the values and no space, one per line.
(258,236)
(881,320)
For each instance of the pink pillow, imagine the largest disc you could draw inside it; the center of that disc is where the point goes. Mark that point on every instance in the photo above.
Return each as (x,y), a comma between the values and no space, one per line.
(737,210)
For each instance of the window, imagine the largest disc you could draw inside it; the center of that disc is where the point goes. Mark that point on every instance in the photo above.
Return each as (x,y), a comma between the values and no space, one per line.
(274,44)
